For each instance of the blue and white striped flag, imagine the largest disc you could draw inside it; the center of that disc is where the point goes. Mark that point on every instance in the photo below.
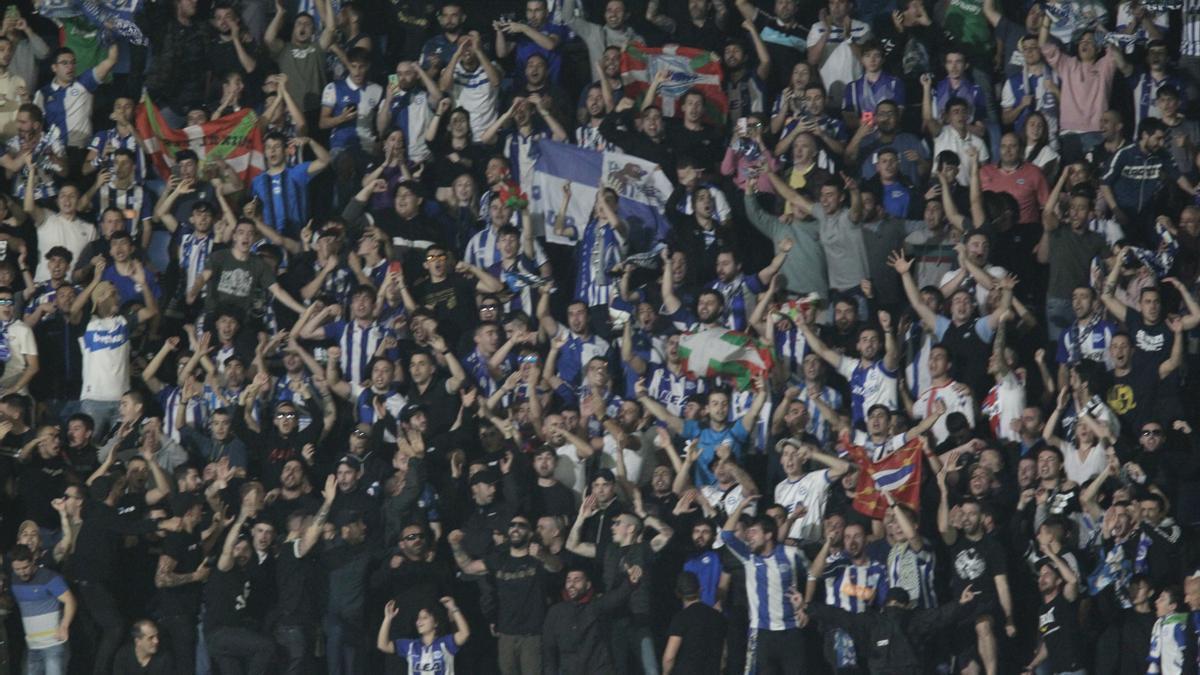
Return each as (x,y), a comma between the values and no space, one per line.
(642,186)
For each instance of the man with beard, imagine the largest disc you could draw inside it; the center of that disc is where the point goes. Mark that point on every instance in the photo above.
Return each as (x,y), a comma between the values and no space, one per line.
(234,640)
(704,142)
(772,576)
(630,628)
(92,566)
(647,140)
(853,583)
(179,579)
(107,342)
(294,494)
(550,497)
(296,576)
(573,640)
(413,576)
(284,440)
(872,379)
(520,575)
(978,561)
(716,432)
(1059,646)
(706,564)
(1152,337)
(301,59)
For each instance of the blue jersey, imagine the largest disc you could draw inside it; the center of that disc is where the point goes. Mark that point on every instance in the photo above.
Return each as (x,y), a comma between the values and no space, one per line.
(739,295)
(862,96)
(364,407)
(69,108)
(869,385)
(855,588)
(359,344)
(707,568)
(195,413)
(736,434)
(284,198)
(599,250)
(1136,176)
(671,390)
(768,579)
(436,658)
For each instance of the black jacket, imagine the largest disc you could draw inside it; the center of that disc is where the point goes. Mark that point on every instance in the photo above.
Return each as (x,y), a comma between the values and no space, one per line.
(574,639)
(891,638)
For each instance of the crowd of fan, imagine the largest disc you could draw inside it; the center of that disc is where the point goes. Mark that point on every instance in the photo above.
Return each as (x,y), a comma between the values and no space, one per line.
(364,412)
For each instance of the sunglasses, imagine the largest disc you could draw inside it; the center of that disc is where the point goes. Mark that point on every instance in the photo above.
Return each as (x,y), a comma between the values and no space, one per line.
(5,302)
(1152,432)
(412,537)
(285,416)
(359,433)
(489,307)
(529,358)
(435,256)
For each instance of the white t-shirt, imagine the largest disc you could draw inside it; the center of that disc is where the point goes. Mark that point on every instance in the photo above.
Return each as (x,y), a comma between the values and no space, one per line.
(955,402)
(1082,470)
(570,470)
(950,140)
(633,460)
(726,501)
(981,293)
(56,230)
(20,344)
(105,348)
(810,491)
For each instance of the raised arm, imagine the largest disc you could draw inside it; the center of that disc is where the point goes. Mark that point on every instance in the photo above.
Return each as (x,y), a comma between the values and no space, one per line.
(675,424)
(1108,295)
(574,539)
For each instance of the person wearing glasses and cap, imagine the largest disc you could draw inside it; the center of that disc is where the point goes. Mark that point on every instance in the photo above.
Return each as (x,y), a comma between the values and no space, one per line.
(522,578)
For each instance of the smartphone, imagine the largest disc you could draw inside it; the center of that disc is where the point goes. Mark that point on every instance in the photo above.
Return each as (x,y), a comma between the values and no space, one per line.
(742,124)
(395,267)
(867,117)
(393,80)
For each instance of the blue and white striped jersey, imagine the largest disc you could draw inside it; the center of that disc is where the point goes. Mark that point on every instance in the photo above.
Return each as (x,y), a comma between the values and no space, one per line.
(768,579)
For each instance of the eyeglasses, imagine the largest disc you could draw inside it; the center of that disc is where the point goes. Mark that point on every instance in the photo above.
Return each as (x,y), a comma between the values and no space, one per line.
(1152,432)
(435,256)
(415,536)
(285,416)
(359,433)
(529,358)
(488,307)
(4,302)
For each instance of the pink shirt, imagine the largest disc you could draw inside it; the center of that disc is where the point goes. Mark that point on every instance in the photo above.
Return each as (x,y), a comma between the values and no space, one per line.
(1085,88)
(735,164)
(1027,184)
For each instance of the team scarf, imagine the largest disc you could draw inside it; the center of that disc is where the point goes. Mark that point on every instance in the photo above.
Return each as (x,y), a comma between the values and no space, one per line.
(5,352)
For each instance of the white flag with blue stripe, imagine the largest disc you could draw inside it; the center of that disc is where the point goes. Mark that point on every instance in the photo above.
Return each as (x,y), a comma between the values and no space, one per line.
(642,186)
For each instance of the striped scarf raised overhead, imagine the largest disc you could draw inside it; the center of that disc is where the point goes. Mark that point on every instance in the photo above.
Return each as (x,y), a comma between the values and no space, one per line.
(234,138)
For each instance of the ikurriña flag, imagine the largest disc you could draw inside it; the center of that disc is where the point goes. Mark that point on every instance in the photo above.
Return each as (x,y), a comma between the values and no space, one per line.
(720,352)
(688,67)
(235,138)
(898,474)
